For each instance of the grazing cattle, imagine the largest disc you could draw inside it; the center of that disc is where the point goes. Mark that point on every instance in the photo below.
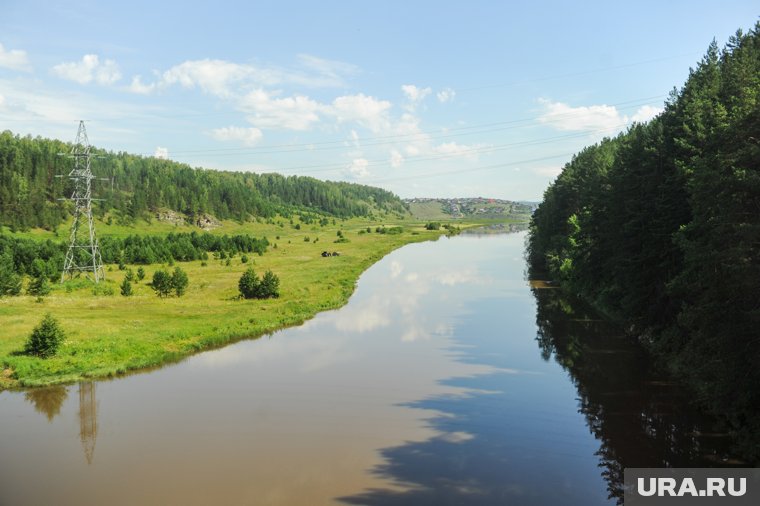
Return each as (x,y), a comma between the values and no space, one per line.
(326,254)
(335,254)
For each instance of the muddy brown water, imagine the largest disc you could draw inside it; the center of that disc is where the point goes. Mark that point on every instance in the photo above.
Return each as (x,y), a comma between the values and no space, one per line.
(446,379)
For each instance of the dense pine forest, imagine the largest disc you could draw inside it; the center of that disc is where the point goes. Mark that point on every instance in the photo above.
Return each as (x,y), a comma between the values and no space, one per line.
(659,228)
(136,186)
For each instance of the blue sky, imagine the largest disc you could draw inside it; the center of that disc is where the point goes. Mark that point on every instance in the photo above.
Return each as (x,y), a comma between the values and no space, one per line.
(477,98)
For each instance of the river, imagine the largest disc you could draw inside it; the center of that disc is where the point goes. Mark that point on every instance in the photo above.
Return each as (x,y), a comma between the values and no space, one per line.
(446,379)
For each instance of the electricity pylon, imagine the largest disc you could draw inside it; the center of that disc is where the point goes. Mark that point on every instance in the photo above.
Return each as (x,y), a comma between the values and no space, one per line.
(83,254)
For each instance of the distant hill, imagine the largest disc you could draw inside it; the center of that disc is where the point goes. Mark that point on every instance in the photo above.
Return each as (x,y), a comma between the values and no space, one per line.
(139,187)
(460,208)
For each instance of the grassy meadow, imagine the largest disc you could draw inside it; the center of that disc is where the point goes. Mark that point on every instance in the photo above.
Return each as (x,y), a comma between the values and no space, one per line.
(109,335)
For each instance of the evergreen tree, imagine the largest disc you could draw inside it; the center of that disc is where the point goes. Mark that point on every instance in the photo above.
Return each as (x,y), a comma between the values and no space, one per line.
(39,286)
(179,281)
(45,339)
(248,285)
(126,287)
(162,283)
(10,282)
(269,286)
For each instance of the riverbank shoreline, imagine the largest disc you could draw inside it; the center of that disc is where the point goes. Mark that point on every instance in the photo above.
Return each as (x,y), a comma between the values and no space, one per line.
(111,335)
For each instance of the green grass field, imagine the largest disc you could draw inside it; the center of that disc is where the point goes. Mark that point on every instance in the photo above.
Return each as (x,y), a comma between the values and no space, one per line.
(110,334)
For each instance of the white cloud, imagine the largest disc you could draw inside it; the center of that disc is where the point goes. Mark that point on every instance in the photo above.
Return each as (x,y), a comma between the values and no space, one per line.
(292,113)
(211,76)
(367,111)
(2,101)
(445,95)
(331,71)
(358,168)
(414,95)
(225,79)
(14,59)
(396,269)
(397,159)
(596,117)
(137,86)
(248,136)
(88,70)
(453,149)
(645,113)
(161,153)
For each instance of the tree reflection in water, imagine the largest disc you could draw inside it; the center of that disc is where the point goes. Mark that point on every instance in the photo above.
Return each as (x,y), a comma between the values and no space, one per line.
(640,416)
(47,401)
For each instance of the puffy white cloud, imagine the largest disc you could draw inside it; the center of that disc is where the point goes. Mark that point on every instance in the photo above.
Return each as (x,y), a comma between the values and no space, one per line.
(645,113)
(247,135)
(367,111)
(161,153)
(137,86)
(414,95)
(89,69)
(596,117)
(292,113)
(445,95)
(14,59)
(358,168)
(211,76)
(454,149)
(225,78)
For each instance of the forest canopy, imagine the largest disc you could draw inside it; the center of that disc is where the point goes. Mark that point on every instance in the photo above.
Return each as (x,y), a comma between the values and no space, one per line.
(659,228)
(135,186)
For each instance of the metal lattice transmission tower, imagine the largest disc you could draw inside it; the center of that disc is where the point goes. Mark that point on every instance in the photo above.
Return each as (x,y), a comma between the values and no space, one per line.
(83,255)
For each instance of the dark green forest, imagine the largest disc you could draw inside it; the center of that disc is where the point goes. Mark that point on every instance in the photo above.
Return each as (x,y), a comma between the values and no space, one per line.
(659,228)
(135,186)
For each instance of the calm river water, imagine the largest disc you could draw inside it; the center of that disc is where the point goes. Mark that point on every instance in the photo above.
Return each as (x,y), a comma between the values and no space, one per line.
(445,380)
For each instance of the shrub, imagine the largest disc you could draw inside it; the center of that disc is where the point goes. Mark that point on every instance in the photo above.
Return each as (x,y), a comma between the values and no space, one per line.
(162,283)
(126,287)
(248,284)
(102,289)
(10,282)
(179,281)
(45,339)
(244,259)
(39,286)
(433,225)
(140,274)
(269,286)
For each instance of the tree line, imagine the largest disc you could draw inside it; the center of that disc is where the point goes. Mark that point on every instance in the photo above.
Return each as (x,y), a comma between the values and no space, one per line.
(20,256)
(137,186)
(659,228)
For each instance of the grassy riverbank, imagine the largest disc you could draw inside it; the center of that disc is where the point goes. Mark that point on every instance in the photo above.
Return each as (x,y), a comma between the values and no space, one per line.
(109,335)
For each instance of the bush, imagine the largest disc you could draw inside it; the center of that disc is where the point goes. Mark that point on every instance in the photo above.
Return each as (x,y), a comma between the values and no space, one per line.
(39,286)
(10,282)
(45,339)
(248,284)
(140,274)
(126,287)
(251,287)
(434,225)
(179,281)
(162,283)
(269,286)
(244,259)
(102,289)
